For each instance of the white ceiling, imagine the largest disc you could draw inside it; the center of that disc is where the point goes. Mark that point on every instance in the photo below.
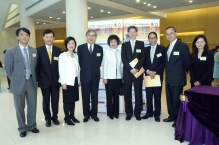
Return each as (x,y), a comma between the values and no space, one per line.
(117,9)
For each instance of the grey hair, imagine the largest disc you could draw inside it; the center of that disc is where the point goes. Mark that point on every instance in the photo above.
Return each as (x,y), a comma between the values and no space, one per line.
(132,27)
(91,31)
(171,27)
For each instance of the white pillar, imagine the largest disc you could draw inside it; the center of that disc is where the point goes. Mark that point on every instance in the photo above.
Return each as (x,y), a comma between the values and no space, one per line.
(29,23)
(77,20)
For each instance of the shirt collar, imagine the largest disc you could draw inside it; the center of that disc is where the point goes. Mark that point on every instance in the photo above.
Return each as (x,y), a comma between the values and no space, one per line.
(155,46)
(173,43)
(88,45)
(22,47)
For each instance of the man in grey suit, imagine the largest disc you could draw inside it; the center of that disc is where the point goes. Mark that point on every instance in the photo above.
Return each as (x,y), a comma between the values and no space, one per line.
(20,65)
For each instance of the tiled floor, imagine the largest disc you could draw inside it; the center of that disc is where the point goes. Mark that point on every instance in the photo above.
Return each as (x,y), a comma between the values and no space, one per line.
(106,132)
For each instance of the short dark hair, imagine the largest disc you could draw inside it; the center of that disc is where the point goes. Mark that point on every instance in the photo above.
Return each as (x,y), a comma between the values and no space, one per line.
(216,48)
(171,27)
(152,33)
(23,29)
(132,27)
(91,31)
(113,37)
(48,31)
(67,41)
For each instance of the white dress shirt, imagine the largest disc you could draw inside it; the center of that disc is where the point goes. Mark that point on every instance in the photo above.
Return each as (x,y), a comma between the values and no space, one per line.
(112,64)
(68,69)
(47,46)
(88,46)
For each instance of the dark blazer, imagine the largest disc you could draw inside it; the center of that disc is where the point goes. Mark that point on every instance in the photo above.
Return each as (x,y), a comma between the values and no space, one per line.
(128,56)
(202,70)
(47,73)
(178,65)
(158,62)
(90,63)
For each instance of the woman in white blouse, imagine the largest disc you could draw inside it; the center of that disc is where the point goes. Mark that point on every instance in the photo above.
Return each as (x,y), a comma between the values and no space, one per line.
(112,75)
(69,79)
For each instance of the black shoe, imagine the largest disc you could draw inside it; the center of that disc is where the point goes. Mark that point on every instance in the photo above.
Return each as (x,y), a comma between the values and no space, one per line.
(157,119)
(23,134)
(128,118)
(117,116)
(48,123)
(168,120)
(86,119)
(95,118)
(35,130)
(111,117)
(56,121)
(138,117)
(75,120)
(146,116)
(174,124)
(69,122)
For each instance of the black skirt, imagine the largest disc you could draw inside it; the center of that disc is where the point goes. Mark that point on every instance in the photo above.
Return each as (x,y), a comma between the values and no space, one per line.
(71,95)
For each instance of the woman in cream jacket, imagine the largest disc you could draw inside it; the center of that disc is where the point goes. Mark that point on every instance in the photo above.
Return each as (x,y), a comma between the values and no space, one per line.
(69,79)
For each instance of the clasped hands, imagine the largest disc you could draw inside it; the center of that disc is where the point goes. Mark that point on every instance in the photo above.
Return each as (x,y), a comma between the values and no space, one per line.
(151,74)
(133,71)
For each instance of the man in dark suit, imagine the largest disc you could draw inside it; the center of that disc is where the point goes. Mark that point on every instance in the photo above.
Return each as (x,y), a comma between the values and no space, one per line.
(48,76)
(155,59)
(20,66)
(131,50)
(90,58)
(177,64)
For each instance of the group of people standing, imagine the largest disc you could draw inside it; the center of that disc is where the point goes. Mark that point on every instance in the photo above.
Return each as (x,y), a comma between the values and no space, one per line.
(48,68)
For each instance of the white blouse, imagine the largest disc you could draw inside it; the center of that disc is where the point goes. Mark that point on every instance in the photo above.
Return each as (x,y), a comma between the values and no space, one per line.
(68,69)
(112,64)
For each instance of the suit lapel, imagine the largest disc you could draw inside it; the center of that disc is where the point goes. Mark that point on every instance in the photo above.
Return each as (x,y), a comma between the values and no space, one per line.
(155,54)
(175,47)
(20,54)
(45,53)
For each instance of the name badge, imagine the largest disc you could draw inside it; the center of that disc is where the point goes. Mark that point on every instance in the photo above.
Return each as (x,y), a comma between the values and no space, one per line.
(98,54)
(203,58)
(159,55)
(176,53)
(56,58)
(138,50)
(34,54)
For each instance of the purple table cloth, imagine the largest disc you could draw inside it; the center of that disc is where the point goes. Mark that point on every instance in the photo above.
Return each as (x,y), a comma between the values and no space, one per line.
(198,122)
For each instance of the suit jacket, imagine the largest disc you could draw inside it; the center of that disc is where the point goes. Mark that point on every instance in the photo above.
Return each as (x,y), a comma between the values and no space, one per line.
(67,69)
(128,56)
(178,64)
(202,70)
(47,73)
(15,68)
(90,63)
(158,61)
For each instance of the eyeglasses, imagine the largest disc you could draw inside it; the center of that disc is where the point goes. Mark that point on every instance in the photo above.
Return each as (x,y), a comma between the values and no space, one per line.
(91,35)
(170,33)
(151,38)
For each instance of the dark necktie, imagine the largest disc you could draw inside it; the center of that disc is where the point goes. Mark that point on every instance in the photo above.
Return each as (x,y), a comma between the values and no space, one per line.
(90,49)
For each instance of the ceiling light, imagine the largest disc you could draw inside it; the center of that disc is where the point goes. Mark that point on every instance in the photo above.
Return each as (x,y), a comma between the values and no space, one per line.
(44,23)
(88,8)
(63,12)
(137,1)
(155,6)
(190,1)
(108,12)
(144,3)
(91,17)
(149,4)
(37,22)
(101,10)
(50,17)
(58,18)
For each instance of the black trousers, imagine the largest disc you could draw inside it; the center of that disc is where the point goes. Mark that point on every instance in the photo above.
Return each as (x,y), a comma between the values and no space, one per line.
(90,91)
(53,93)
(69,110)
(156,92)
(128,97)
(112,96)
(173,100)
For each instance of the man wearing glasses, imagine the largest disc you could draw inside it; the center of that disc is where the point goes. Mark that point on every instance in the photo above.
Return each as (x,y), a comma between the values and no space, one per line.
(90,58)
(155,59)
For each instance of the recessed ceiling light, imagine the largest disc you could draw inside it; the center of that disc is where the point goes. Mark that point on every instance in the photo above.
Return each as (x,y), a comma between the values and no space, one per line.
(108,12)
(52,27)
(91,17)
(58,18)
(63,12)
(88,8)
(144,3)
(50,17)
(155,6)
(190,1)
(149,4)
(37,22)
(101,10)
(44,23)
(137,1)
